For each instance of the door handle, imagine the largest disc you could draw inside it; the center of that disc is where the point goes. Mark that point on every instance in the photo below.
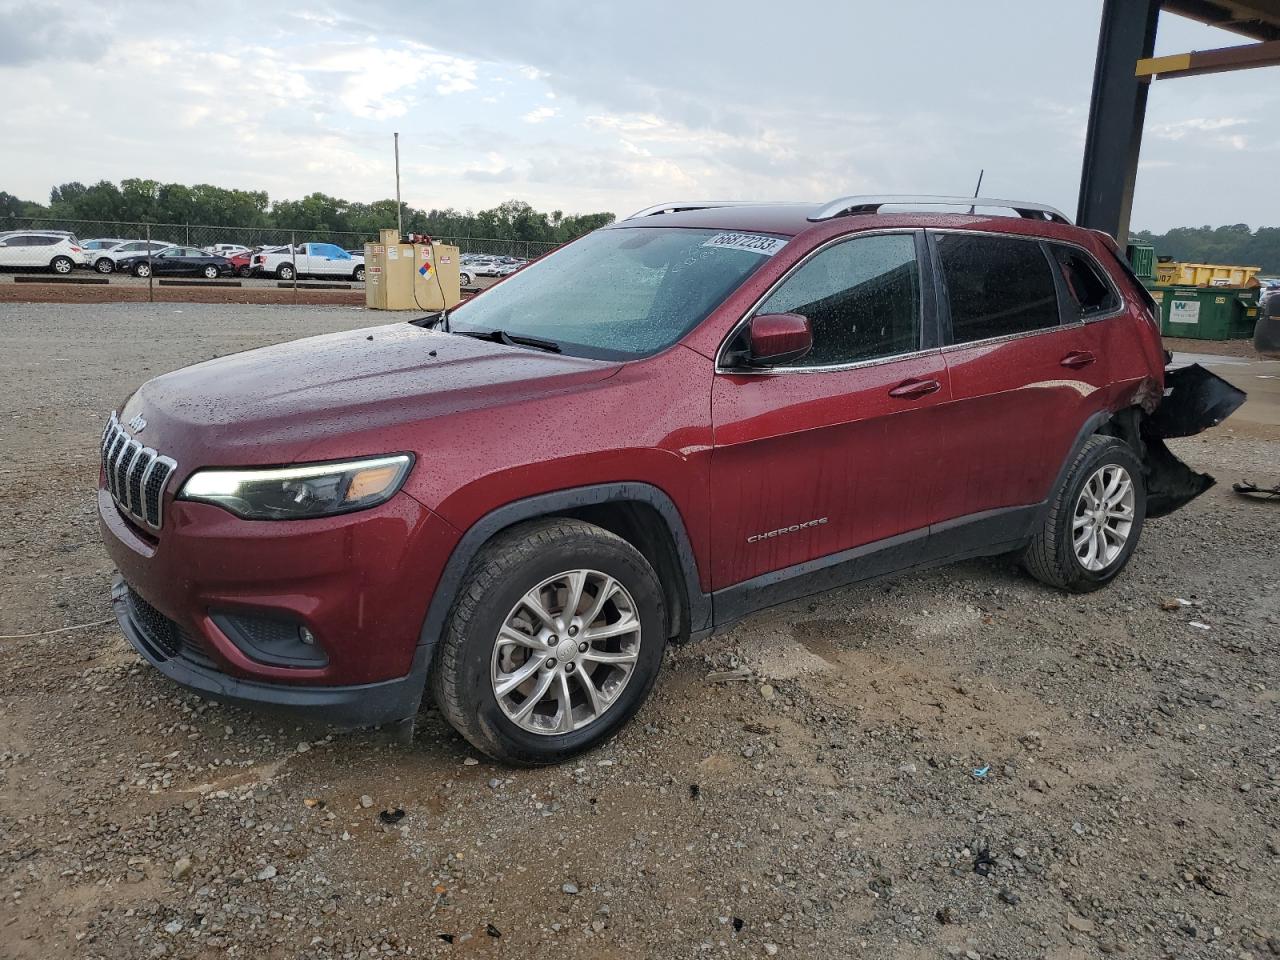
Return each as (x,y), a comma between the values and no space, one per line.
(913,388)
(1077,359)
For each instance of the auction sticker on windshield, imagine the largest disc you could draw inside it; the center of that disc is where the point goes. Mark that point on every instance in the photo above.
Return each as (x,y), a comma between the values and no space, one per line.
(754,242)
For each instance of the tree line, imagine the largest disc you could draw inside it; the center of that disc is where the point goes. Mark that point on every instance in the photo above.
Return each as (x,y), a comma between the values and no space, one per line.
(1235,244)
(150,201)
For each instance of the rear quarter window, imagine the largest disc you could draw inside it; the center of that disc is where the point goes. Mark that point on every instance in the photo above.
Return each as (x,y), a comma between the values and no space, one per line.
(1088,292)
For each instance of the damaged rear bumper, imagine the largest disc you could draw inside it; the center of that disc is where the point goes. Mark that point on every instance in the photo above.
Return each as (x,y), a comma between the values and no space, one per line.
(1194,400)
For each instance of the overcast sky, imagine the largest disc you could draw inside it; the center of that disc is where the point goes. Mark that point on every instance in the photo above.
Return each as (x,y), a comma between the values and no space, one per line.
(584,106)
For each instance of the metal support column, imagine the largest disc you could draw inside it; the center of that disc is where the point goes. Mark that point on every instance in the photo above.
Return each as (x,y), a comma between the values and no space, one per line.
(1116,115)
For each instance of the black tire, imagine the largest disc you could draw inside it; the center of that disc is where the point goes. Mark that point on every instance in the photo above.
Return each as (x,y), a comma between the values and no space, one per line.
(62,265)
(142,269)
(104,265)
(1051,557)
(245,272)
(501,573)
(358,274)
(284,271)
(211,272)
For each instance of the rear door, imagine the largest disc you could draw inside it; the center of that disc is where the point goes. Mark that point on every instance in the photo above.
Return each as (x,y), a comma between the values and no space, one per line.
(1025,374)
(836,450)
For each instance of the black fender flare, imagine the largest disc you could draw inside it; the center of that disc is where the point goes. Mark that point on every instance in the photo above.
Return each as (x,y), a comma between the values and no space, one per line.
(1095,422)
(550,504)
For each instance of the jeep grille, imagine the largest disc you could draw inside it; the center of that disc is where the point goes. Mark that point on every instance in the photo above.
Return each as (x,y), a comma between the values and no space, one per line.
(136,475)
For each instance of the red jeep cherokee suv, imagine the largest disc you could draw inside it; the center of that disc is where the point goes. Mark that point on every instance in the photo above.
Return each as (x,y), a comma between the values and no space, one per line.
(702,410)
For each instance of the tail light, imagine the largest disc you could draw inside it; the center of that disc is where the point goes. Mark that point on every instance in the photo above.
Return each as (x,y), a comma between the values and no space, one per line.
(75,249)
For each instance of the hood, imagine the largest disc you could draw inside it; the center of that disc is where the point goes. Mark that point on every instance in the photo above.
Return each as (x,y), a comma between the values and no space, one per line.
(268,406)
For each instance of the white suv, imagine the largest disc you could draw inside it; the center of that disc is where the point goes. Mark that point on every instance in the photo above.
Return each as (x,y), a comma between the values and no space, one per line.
(41,249)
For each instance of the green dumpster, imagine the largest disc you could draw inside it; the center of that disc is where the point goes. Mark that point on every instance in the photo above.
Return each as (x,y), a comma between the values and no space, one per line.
(1142,258)
(1245,316)
(1200,313)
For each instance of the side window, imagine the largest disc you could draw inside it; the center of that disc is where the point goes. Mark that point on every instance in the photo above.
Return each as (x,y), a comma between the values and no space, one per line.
(996,286)
(1088,293)
(862,298)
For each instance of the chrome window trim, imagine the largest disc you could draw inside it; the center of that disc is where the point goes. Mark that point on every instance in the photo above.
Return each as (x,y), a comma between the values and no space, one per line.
(1023,334)
(720,368)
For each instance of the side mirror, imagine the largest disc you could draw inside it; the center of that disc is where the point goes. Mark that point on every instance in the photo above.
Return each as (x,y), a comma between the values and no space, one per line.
(776,339)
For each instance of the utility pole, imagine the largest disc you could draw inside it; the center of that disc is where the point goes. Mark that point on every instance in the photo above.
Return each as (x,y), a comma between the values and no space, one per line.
(399,211)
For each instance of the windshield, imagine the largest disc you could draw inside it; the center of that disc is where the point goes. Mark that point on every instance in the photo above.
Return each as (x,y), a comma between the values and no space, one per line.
(619,293)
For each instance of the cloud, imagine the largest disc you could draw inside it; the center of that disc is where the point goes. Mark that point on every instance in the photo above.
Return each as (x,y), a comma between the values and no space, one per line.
(48,31)
(539,114)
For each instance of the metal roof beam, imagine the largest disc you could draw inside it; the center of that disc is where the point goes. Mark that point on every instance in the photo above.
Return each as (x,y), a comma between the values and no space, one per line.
(1199,62)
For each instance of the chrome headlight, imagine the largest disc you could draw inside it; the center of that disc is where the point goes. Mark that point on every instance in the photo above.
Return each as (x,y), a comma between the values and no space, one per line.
(300,492)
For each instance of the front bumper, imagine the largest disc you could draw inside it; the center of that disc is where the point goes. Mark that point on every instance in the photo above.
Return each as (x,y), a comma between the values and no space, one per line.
(360,705)
(359,582)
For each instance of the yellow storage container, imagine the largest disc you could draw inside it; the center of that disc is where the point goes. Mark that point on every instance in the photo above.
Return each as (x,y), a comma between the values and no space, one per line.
(1206,275)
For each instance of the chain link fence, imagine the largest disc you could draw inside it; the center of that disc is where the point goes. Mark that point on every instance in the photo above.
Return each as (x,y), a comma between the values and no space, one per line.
(62,245)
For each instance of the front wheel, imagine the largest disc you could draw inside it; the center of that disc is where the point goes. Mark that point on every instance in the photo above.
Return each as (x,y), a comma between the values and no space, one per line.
(554,642)
(358,274)
(464,279)
(142,270)
(1094,520)
(104,265)
(211,272)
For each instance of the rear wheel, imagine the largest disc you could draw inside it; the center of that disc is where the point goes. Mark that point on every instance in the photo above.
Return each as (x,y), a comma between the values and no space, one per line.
(358,274)
(245,272)
(554,642)
(285,271)
(63,265)
(104,265)
(464,279)
(1094,521)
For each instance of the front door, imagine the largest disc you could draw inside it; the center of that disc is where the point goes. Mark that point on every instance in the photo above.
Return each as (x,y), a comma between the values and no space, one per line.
(836,450)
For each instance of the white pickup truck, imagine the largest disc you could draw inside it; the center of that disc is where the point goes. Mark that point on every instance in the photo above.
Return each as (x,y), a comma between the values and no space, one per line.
(309,260)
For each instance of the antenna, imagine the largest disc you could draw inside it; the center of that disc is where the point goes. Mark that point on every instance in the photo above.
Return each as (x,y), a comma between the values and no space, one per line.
(978,188)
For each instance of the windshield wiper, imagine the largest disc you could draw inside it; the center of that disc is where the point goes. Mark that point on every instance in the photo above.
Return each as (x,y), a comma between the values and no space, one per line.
(512,339)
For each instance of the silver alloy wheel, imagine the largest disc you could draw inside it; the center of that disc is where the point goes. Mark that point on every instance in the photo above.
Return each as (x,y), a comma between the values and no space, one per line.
(1103,517)
(565,652)
(142,270)
(104,265)
(211,272)
(62,265)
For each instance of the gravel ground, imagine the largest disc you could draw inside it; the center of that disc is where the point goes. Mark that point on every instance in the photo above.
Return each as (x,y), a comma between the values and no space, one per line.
(961,763)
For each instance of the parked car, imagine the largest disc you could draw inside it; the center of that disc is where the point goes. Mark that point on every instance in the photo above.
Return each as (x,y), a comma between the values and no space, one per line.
(108,260)
(241,264)
(101,243)
(227,250)
(683,417)
(177,261)
(42,250)
(324,260)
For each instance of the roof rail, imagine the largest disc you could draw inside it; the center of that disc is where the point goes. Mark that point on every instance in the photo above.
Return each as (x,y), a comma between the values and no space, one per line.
(679,206)
(851,206)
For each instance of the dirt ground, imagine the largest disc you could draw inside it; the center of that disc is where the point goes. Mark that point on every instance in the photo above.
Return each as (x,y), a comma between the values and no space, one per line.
(961,763)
